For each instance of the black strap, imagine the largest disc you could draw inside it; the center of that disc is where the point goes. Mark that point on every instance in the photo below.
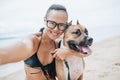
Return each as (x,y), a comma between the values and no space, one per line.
(66,64)
(42,67)
(45,72)
(59,44)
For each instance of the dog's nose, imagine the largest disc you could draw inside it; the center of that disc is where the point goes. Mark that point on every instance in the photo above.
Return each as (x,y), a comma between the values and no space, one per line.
(90,40)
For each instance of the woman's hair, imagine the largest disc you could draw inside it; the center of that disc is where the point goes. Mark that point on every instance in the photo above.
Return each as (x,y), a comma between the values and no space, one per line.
(56,7)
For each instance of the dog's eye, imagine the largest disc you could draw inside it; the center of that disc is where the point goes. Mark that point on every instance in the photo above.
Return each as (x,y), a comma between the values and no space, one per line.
(86,31)
(77,32)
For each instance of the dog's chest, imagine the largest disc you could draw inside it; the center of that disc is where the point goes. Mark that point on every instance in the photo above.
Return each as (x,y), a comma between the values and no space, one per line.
(75,67)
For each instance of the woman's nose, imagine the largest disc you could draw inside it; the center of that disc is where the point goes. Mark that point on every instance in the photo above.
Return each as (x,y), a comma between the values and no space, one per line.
(56,28)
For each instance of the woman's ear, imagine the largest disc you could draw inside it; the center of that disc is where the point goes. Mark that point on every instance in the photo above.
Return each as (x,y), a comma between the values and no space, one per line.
(45,20)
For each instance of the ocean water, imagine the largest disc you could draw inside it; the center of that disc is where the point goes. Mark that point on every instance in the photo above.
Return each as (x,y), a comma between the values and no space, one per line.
(103,32)
(98,33)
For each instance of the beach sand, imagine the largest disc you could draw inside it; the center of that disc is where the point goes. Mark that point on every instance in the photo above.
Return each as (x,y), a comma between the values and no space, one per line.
(18,75)
(103,64)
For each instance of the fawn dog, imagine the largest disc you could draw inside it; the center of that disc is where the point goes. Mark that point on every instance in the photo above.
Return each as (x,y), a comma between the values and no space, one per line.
(75,38)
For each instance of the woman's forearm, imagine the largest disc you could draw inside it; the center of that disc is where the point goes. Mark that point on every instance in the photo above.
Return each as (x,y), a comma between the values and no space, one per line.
(16,52)
(20,50)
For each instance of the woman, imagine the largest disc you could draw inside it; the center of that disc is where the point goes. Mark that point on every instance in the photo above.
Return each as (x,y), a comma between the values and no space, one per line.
(36,49)
(55,20)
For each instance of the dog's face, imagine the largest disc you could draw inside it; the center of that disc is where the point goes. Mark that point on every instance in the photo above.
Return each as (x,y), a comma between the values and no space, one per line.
(76,38)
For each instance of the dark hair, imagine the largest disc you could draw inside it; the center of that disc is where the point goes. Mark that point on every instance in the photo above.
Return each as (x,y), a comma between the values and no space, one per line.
(56,7)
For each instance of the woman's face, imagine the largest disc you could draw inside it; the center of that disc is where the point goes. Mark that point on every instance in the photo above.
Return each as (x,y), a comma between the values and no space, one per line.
(55,23)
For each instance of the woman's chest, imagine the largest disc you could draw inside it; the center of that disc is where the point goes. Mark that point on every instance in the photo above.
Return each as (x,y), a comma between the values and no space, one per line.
(44,54)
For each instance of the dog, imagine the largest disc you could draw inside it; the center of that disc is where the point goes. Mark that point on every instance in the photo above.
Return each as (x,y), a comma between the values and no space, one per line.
(75,38)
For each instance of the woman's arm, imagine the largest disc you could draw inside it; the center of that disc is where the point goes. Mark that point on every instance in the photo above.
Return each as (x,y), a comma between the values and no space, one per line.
(63,53)
(20,50)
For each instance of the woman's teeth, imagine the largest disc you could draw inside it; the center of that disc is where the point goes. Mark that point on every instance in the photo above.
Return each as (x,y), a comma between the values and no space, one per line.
(54,33)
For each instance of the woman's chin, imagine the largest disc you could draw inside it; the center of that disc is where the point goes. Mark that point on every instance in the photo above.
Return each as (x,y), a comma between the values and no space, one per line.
(54,37)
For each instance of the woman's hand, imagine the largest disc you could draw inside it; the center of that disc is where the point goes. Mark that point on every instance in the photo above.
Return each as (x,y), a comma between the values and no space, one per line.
(32,41)
(35,40)
(60,53)
(63,53)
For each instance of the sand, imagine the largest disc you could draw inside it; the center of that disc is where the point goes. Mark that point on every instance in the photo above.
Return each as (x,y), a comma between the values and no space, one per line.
(18,75)
(103,64)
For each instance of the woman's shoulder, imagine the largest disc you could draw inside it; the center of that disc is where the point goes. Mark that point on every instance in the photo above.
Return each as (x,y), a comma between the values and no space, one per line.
(32,41)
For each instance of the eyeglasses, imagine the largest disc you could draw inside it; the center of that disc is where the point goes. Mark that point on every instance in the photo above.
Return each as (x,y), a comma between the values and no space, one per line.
(53,24)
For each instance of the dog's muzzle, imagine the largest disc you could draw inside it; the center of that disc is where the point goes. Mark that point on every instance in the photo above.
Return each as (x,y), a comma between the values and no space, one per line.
(82,46)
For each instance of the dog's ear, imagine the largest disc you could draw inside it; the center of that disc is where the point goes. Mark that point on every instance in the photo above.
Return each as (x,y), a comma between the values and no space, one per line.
(78,22)
(70,23)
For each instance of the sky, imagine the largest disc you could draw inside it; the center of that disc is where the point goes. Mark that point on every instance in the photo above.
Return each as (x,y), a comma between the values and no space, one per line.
(17,15)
